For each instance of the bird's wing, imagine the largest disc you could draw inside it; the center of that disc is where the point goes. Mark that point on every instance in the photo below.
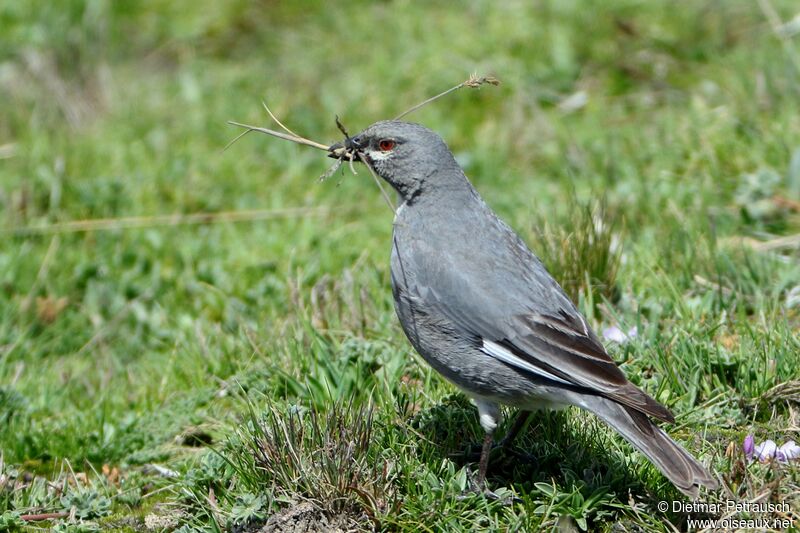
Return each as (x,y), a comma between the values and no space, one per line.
(525,320)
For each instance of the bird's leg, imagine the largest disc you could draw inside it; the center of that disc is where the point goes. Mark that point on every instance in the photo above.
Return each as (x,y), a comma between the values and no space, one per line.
(480,485)
(519,423)
(489,414)
(484,463)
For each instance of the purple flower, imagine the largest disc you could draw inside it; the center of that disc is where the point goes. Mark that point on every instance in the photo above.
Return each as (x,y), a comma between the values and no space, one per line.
(614,334)
(765,451)
(788,451)
(749,447)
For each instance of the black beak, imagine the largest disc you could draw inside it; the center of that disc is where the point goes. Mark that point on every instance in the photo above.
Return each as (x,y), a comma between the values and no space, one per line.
(351,145)
(334,149)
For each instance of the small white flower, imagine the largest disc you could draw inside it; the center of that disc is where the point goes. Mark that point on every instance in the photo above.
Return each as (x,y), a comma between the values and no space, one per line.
(614,334)
(788,451)
(765,451)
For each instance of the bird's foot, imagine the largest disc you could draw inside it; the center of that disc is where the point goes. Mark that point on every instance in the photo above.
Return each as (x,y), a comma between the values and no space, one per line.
(479,488)
(503,496)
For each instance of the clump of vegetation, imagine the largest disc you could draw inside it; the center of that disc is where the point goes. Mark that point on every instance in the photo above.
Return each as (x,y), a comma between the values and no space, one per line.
(86,503)
(325,458)
(582,251)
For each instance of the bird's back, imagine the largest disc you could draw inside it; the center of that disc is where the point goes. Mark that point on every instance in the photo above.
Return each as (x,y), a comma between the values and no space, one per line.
(472,251)
(456,265)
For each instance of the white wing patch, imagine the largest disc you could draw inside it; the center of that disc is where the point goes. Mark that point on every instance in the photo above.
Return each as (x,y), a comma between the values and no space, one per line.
(399,209)
(505,355)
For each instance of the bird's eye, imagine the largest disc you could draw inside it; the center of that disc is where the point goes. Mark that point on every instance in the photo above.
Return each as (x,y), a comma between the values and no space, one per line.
(386,145)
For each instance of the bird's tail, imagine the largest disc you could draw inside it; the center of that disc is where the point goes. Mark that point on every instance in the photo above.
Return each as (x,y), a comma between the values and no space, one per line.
(683,470)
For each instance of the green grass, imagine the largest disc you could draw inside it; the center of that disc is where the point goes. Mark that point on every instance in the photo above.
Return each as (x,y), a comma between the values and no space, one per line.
(210,349)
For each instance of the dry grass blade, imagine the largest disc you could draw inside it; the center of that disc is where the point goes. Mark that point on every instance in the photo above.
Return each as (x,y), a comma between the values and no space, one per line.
(352,168)
(285,136)
(779,243)
(788,391)
(278,122)
(347,152)
(8,150)
(380,186)
(474,81)
(233,141)
(331,171)
(341,152)
(104,224)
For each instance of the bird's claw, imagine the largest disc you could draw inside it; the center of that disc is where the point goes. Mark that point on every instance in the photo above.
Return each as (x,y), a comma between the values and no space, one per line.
(476,489)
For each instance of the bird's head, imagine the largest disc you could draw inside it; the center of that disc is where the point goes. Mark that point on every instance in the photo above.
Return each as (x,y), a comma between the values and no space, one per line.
(410,157)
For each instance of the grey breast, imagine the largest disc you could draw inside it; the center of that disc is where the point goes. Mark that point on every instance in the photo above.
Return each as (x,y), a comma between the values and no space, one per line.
(423,248)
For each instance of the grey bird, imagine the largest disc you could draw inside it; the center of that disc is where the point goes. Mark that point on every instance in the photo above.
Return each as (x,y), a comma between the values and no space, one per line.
(483,311)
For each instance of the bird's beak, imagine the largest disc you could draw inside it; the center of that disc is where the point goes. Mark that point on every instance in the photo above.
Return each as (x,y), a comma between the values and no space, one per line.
(335,150)
(346,149)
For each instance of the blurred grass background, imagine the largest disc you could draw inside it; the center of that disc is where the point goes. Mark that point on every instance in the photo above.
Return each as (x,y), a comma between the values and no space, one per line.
(649,151)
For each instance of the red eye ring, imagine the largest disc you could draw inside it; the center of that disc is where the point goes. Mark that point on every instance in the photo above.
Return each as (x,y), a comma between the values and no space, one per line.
(386,145)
